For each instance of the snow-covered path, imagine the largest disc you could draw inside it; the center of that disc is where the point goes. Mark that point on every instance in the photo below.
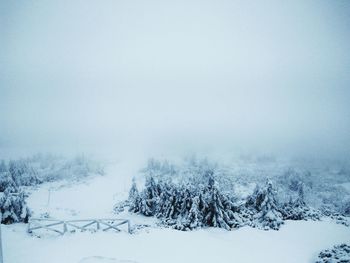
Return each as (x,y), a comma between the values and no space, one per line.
(92,197)
(296,242)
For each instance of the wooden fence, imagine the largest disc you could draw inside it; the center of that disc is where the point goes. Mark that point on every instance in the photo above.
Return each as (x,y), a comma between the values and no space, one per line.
(63,226)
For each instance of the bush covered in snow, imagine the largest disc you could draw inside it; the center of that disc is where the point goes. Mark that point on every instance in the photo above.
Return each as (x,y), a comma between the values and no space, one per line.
(13,207)
(266,211)
(338,254)
(298,209)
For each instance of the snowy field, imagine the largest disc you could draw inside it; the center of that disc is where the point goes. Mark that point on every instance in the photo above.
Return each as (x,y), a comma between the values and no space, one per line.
(296,241)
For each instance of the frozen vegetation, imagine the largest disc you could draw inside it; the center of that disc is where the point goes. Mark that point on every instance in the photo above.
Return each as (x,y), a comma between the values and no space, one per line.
(45,168)
(338,254)
(197,193)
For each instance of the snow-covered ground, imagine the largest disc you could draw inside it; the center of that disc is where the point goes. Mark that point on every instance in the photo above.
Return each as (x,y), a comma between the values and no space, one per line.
(94,197)
(296,242)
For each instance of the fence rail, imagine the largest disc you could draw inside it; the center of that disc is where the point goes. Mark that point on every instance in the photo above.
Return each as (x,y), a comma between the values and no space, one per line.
(63,226)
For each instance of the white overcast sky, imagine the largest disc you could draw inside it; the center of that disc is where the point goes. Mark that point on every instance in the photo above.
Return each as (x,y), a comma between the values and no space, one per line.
(175,75)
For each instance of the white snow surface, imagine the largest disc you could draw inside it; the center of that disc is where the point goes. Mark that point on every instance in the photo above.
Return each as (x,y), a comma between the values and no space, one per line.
(90,198)
(295,242)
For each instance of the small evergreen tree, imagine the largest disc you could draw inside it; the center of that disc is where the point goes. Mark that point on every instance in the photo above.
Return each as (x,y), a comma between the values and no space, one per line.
(13,208)
(134,198)
(195,217)
(149,197)
(268,214)
(6,182)
(298,209)
(215,214)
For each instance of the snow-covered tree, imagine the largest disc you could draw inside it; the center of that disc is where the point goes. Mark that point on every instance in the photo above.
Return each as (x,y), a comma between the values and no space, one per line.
(171,204)
(195,216)
(134,198)
(215,213)
(297,209)
(268,215)
(13,208)
(6,182)
(22,173)
(149,197)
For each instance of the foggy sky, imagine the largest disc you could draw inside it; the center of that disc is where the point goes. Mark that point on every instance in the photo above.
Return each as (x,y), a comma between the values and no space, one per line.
(175,76)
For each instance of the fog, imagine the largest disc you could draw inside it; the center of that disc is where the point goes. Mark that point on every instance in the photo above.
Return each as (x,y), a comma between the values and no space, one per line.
(147,77)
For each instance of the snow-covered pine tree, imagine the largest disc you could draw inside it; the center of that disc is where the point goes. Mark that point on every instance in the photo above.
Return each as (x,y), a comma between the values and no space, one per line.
(268,212)
(22,173)
(215,214)
(297,209)
(149,197)
(6,182)
(185,201)
(255,200)
(134,199)
(184,204)
(13,208)
(195,216)
(232,211)
(162,201)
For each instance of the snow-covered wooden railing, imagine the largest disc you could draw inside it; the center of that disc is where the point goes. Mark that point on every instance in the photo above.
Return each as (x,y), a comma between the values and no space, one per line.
(81,224)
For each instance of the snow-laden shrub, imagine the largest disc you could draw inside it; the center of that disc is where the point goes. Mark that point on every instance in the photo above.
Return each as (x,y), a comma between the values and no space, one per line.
(297,209)
(220,210)
(266,210)
(337,254)
(13,208)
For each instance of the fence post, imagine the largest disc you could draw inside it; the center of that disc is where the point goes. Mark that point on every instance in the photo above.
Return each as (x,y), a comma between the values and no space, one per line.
(98,225)
(129,230)
(64,227)
(28,226)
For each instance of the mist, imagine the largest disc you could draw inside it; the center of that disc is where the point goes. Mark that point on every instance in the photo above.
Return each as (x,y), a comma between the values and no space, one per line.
(165,77)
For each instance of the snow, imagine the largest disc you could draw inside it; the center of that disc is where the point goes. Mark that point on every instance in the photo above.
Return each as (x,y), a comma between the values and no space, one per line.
(93,197)
(295,242)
